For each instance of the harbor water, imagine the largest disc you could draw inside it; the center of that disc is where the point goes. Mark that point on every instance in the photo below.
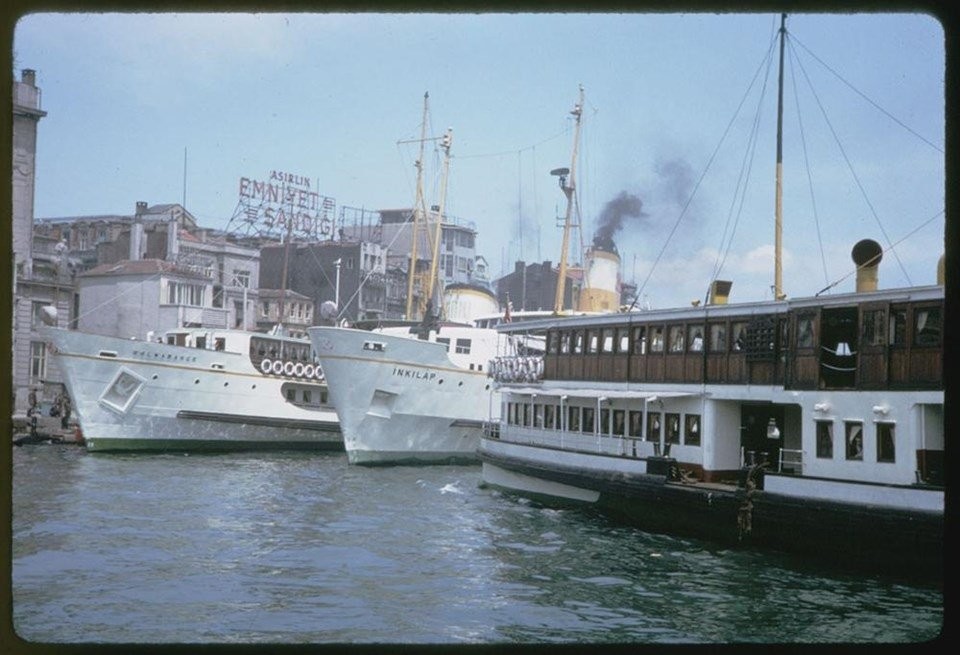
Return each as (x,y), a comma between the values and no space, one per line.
(296,548)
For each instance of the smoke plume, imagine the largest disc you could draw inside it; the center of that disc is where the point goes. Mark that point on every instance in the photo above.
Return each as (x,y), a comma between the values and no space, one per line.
(614,214)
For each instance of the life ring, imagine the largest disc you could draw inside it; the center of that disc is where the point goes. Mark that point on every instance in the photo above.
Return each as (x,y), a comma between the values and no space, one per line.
(298,369)
(318,373)
(277,367)
(308,371)
(265,365)
(288,368)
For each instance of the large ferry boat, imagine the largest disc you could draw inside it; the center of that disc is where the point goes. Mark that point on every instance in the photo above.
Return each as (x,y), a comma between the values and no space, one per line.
(196,389)
(811,424)
(420,392)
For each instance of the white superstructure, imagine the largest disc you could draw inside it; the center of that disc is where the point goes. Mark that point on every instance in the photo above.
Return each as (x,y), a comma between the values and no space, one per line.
(196,389)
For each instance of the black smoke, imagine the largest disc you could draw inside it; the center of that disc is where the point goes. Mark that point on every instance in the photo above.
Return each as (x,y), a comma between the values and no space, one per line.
(615,213)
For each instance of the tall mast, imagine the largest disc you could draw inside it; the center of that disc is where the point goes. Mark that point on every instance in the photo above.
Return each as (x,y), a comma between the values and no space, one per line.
(286,264)
(445,143)
(568,188)
(418,212)
(778,222)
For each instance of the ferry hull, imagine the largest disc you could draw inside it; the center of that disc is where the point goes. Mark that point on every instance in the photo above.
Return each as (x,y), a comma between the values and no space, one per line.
(139,396)
(401,400)
(896,540)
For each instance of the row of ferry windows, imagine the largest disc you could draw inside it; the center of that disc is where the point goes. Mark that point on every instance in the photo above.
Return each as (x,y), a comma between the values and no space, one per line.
(853,445)
(880,327)
(674,427)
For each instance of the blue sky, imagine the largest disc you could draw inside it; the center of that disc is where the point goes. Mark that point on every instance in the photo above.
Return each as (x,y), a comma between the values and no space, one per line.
(329,96)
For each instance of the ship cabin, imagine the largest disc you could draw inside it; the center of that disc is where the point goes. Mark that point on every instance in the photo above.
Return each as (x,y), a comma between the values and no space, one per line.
(843,387)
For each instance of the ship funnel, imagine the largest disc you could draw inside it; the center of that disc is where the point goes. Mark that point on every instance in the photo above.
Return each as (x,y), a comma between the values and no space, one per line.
(719,292)
(867,254)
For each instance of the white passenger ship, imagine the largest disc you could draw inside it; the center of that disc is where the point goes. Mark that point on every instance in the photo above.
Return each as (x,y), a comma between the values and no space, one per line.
(813,425)
(196,389)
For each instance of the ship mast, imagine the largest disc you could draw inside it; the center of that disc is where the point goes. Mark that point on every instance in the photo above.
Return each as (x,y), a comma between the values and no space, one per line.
(778,219)
(445,143)
(419,212)
(568,189)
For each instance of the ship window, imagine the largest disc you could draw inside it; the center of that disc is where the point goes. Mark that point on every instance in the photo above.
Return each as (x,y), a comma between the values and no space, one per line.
(553,342)
(691,430)
(927,327)
(618,422)
(538,416)
(578,342)
(220,343)
(565,343)
(377,346)
(676,338)
(201,342)
(463,346)
(854,438)
(673,427)
(623,340)
(606,345)
(306,396)
(873,327)
(592,341)
(588,419)
(548,417)
(739,336)
(824,439)
(526,415)
(445,341)
(323,397)
(897,327)
(805,335)
(656,339)
(636,423)
(718,338)
(886,449)
(653,426)
(573,418)
(604,421)
(292,395)
(640,340)
(695,339)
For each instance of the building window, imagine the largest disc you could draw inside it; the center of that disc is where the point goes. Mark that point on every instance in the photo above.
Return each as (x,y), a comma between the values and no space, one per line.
(824,439)
(183,293)
(673,427)
(854,437)
(636,423)
(691,432)
(36,316)
(886,444)
(241,278)
(38,361)
(265,309)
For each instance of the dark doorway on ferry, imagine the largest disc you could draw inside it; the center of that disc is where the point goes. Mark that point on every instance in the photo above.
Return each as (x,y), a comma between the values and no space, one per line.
(761,433)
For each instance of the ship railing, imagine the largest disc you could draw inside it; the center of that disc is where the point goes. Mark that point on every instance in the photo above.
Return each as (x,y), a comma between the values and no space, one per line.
(516,368)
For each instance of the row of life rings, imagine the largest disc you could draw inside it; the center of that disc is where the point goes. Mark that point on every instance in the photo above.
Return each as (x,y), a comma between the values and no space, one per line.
(291,369)
(516,369)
